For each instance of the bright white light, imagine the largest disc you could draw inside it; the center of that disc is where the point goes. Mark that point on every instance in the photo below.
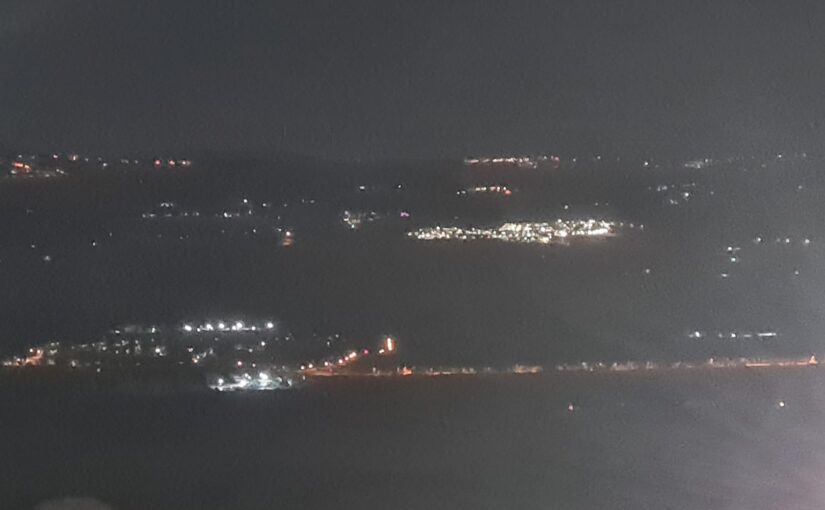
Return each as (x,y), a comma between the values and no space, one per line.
(238,325)
(264,377)
(270,325)
(221,326)
(220,381)
(187,327)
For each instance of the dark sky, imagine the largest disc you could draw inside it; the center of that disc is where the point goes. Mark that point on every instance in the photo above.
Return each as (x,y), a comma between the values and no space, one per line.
(378,78)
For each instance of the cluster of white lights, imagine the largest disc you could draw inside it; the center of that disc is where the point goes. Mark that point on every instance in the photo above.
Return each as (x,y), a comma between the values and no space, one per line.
(245,382)
(497,189)
(544,233)
(236,326)
(355,219)
(519,161)
(734,335)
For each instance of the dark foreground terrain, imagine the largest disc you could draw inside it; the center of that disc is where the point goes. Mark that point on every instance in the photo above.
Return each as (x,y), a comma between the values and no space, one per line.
(739,439)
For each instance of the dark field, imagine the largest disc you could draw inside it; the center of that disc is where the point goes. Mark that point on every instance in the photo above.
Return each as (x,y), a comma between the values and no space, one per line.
(701,440)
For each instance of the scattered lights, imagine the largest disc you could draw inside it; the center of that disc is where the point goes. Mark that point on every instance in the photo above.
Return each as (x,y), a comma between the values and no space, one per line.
(356,219)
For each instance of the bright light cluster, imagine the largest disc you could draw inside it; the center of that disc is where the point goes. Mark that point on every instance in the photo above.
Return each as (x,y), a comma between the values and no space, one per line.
(543,233)
(517,161)
(228,326)
(498,189)
(246,382)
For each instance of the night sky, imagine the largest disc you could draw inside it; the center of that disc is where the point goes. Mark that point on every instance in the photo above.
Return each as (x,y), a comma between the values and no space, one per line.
(379,79)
